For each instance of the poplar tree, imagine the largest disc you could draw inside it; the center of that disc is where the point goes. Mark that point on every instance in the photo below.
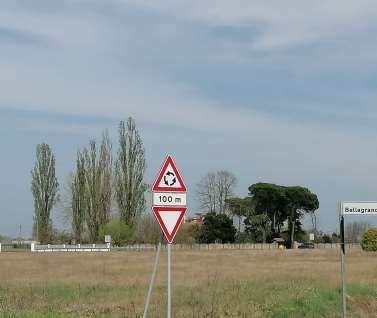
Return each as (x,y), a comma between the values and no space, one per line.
(129,173)
(98,181)
(78,202)
(44,187)
(106,186)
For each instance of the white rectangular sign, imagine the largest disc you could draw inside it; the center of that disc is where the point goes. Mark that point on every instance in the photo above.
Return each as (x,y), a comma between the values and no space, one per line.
(359,208)
(169,199)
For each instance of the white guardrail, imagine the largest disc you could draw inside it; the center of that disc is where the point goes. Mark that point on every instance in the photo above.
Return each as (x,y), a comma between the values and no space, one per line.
(142,247)
(71,248)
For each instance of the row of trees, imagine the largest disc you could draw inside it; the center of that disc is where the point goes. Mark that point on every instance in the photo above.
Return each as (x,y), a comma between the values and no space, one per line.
(268,211)
(102,181)
(269,207)
(97,181)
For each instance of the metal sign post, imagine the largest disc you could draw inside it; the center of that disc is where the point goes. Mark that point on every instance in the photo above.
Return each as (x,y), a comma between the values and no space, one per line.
(342,260)
(350,208)
(169,280)
(152,280)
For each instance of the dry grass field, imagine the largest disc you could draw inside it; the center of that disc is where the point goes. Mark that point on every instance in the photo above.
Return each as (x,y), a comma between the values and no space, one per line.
(225,283)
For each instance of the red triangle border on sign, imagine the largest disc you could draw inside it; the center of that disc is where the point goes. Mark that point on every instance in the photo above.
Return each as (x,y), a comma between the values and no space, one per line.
(169,160)
(158,209)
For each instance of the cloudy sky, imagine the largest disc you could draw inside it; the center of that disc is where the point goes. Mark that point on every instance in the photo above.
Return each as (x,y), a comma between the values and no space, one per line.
(273,91)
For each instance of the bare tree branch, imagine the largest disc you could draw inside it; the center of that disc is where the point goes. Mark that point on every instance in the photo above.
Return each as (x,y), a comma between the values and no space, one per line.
(214,189)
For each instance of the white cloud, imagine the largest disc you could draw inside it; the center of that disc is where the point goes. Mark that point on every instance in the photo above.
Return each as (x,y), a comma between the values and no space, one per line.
(101,64)
(80,76)
(170,104)
(281,24)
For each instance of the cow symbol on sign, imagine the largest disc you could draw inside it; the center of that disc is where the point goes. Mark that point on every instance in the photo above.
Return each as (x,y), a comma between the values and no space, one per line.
(170,179)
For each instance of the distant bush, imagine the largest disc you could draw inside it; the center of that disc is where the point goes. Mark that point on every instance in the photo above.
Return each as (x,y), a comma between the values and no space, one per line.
(147,230)
(217,228)
(4,238)
(121,233)
(60,237)
(244,237)
(369,242)
(188,234)
(326,238)
(335,238)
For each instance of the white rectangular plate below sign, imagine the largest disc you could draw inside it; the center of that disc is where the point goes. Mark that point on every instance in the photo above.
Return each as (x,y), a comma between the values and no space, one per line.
(169,199)
(359,208)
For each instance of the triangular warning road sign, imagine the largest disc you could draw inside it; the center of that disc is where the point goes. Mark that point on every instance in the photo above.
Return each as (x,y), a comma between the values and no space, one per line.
(169,179)
(169,219)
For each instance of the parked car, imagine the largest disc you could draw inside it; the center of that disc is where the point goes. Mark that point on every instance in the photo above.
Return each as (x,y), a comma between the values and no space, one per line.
(306,245)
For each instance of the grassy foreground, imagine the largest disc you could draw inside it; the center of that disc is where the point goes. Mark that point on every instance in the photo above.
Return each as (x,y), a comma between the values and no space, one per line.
(222,283)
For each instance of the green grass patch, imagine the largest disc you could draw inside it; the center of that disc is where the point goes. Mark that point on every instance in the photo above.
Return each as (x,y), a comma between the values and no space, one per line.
(212,298)
(362,291)
(314,302)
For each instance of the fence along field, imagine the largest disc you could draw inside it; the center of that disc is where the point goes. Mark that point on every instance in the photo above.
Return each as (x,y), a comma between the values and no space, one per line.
(206,283)
(142,247)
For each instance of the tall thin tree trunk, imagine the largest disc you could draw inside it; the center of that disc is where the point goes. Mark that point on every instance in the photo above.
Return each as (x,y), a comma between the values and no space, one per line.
(274,223)
(292,228)
(239,224)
